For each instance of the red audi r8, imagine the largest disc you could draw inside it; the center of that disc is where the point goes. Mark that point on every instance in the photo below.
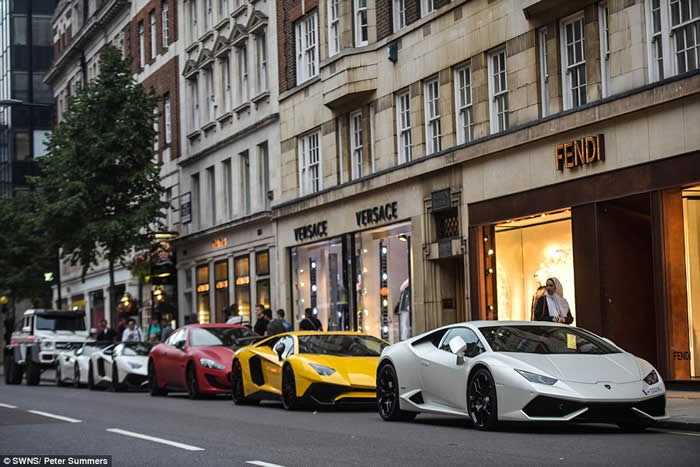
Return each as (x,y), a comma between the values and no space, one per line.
(197,358)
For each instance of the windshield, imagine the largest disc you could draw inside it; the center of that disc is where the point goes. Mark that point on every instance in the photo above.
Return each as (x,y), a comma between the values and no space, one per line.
(136,349)
(341,345)
(91,349)
(60,324)
(545,340)
(204,337)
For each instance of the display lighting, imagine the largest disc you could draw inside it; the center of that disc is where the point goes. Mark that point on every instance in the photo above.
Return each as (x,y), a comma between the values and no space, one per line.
(364,250)
(490,270)
(385,302)
(367,328)
(383,290)
(385,329)
(366,312)
(384,250)
(222,284)
(314,288)
(385,276)
(364,270)
(313,264)
(490,252)
(243,280)
(403,237)
(301,271)
(301,284)
(315,311)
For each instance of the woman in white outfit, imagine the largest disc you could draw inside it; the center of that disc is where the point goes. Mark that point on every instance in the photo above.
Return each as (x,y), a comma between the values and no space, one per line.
(552,306)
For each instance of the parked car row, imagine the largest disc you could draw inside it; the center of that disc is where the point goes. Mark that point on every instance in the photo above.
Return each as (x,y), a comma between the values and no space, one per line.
(487,371)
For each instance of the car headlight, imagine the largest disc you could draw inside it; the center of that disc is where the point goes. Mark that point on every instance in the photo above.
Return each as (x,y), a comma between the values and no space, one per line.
(209,363)
(322,370)
(652,378)
(135,366)
(47,344)
(535,378)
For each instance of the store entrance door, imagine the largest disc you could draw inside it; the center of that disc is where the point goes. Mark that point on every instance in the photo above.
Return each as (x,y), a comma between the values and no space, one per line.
(626,274)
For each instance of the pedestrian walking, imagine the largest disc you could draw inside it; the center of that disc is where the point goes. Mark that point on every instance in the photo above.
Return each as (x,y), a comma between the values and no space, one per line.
(106,334)
(154,328)
(261,322)
(166,329)
(310,322)
(132,333)
(277,325)
(552,306)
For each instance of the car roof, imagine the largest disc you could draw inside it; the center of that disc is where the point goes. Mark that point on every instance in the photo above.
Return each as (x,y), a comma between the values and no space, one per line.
(214,325)
(53,313)
(482,323)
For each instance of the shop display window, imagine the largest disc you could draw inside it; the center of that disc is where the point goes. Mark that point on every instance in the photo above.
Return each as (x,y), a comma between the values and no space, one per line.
(528,251)
(221,289)
(383,282)
(262,263)
(203,306)
(242,275)
(691,224)
(263,292)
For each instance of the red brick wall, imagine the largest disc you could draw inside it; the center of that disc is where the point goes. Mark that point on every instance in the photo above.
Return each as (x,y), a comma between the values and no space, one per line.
(165,81)
(441,3)
(286,15)
(384,19)
(154,6)
(412,11)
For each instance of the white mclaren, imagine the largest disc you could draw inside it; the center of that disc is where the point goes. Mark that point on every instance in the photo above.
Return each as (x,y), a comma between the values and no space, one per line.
(119,367)
(496,371)
(72,365)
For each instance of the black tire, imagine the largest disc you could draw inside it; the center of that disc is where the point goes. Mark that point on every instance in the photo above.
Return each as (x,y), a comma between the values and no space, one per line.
(290,401)
(155,389)
(59,382)
(237,391)
(115,386)
(481,400)
(91,378)
(13,371)
(193,383)
(388,396)
(634,427)
(32,370)
(76,377)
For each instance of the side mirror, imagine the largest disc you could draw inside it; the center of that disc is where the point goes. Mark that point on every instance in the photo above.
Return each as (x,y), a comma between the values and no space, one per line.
(457,347)
(26,329)
(181,345)
(279,350)
(108,351)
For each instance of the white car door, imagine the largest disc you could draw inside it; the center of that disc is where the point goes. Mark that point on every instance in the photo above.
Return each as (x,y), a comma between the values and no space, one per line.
(444,378)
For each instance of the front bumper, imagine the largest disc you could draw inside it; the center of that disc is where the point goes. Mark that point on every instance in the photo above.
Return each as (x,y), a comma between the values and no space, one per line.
(213,381)
(581,402)
(324,394)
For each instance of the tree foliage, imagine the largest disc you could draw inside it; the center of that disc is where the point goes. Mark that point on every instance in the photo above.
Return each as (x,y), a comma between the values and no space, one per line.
(100,184)
(26,251)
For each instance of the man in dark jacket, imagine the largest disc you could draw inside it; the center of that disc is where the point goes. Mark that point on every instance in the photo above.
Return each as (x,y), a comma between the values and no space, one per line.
(106,333)
(310,322)
(262,320)
(277,325)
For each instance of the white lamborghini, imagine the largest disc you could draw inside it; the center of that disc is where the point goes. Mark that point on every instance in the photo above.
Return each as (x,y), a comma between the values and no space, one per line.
(493,371)
(119,367)
(72,365)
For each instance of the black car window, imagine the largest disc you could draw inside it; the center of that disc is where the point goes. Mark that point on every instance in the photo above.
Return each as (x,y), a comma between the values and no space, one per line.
(207,336)
(135,349)
(544,339)
(342,345)
(60,324)
(288,343)
(474,347)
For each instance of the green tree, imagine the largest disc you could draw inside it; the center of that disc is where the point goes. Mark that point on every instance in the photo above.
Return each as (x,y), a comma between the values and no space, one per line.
(100,182)
(26,252)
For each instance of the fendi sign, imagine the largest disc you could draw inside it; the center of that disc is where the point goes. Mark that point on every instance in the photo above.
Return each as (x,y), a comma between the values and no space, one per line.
(588,150)
(311,231)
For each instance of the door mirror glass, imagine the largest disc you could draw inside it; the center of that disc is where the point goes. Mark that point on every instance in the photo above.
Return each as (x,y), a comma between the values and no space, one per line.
(180,344)
(108,351)
(457,345)
(279,349)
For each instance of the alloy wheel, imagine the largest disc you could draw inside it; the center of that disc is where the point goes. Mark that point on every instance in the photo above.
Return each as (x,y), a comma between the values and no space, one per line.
(386,392)
(237,393)
(192,384)
(482,400)
(289,389)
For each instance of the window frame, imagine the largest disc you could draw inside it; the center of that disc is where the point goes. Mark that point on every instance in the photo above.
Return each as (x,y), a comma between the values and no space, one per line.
(307,61)
(142,44)
(164,24)
(211,94)
(496,123)
(604,41)
(431,147)
(333,27)
(357,11)
(194,95)
(261,59)
(306,183)
(542,39)
(682,27)
(167,116)
(242,54)
(154,33)
(194,32)
(226,83)
(567,69)
(156,138)
(427,7)
(464,107)
(356,131)
(401,130)
(398,14)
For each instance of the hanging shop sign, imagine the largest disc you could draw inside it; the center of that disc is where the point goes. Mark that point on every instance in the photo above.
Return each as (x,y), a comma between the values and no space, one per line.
(382,213)
(311,231)
(584,151)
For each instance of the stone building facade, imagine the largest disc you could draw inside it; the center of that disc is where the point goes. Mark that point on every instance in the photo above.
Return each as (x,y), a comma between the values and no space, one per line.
(440,159)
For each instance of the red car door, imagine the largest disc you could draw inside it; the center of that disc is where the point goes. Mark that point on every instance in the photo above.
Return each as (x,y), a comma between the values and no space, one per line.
(177,357)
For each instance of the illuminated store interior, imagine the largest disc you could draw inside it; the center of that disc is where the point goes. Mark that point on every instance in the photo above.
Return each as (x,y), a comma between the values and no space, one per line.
(691,224)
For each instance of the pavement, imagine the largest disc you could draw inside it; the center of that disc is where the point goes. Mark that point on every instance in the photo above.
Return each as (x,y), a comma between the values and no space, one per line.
(684,409)
(137,429)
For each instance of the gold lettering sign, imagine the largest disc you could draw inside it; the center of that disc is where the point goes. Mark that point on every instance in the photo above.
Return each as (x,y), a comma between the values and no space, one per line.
(572,154)
(221,284)
(219,243)
(203,288)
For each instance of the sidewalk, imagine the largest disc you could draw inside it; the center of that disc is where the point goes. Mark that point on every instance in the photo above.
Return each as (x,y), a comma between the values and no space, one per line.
(684,409)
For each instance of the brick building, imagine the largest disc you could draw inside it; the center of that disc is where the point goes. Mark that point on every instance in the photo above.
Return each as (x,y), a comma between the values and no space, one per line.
(146,31)
(440,159)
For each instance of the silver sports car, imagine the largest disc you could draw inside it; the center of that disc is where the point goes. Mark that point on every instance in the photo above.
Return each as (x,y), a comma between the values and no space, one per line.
(492,371)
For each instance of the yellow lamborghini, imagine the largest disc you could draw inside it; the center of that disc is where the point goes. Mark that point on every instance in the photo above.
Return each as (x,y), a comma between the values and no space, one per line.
(308,368)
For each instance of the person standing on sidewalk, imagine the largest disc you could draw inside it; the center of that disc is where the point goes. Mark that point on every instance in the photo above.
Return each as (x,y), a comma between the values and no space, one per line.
(132,333)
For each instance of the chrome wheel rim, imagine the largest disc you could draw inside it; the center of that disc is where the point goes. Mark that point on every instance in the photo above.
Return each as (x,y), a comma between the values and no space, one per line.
(480,399)
(386,388)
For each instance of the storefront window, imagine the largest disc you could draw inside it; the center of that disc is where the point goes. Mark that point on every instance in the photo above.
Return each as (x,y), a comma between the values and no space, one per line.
(691,220)
(319,284)
(221,292)
(263,292)
(203,307)
(528,251)
(383,282)
(262,263)
(242,274)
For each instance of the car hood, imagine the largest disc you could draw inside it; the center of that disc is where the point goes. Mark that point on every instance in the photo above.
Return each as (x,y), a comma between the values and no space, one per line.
(356,371)
(221,354)
(612,368)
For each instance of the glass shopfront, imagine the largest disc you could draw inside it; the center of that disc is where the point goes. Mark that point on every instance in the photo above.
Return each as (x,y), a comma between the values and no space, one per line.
(221,289)
(262,272)
(691,228)
(241,268)
(360,281)
(203,307)
(528,252)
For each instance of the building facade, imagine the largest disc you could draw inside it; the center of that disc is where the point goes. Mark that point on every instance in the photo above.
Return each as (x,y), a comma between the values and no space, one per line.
(26,116)
(147,32)
(440,160)
(229,176)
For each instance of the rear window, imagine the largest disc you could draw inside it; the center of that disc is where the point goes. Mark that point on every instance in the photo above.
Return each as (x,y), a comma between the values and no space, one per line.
(62,323)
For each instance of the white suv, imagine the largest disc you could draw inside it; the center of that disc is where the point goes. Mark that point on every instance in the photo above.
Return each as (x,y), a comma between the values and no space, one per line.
(44,334)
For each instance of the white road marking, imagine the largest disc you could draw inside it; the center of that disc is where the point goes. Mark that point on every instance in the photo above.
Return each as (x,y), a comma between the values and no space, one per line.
(263,464)
(154,439)
(57,417)
(8,406)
